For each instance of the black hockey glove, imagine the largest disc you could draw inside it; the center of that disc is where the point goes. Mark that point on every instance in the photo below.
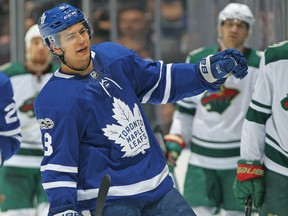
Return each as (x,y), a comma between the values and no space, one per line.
(214,69)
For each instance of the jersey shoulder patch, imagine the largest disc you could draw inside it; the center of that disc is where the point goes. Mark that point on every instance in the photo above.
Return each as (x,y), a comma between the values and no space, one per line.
(276,52)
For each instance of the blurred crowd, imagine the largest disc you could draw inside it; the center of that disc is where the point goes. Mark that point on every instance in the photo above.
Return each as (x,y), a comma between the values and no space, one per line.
(136,29)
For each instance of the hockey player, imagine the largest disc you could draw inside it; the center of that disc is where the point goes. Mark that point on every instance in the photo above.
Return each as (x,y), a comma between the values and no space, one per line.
(212,122)
(10,132)
(92,122)
(20,177)
(263,169)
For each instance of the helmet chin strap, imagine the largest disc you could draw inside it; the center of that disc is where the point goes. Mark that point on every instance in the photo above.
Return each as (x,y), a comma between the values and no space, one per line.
(73,68)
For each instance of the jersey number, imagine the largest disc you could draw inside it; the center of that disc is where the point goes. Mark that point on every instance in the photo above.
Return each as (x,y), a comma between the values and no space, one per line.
(48,144)
(11,113)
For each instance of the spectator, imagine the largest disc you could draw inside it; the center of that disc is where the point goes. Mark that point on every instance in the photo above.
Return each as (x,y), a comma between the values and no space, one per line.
(134,32)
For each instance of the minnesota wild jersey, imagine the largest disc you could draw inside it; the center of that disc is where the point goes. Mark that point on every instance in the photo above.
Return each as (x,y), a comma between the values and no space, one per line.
(212,122)
(26,86)
(265,135)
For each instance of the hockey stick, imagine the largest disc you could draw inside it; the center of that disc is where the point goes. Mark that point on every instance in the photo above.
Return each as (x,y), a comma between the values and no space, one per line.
(160,138)
(248,206)
(102,194)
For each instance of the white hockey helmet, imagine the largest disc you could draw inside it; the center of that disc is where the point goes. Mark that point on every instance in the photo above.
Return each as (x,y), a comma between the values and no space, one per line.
(237,11)
(32,32)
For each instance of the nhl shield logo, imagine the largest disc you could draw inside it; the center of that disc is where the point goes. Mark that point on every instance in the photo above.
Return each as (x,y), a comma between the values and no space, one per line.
(94,74)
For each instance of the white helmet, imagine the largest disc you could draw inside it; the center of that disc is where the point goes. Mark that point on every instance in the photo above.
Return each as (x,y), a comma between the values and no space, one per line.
(32,32)
(236,11)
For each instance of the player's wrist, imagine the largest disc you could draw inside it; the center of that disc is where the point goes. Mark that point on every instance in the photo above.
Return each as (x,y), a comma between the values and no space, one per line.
(249,170)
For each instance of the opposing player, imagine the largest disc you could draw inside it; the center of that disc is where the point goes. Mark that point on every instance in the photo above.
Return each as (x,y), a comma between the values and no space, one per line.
(10,132)
(92,122)
(212,122)
(263,169)
(20,178)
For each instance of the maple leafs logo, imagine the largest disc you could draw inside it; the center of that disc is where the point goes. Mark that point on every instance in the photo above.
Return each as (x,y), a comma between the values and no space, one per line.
(130,132)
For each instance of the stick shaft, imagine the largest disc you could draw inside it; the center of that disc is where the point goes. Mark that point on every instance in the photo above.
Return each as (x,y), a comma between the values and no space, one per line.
(103,191)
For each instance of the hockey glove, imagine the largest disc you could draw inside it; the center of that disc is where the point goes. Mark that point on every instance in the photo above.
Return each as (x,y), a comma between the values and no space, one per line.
(249,181)
(174,145)
(216,68)
(74,213)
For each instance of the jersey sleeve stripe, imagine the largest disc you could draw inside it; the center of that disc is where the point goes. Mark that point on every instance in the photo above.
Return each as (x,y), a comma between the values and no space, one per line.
(10,132)
(168,84)
(58,184)
(59,168)
(148,95)
(260,107)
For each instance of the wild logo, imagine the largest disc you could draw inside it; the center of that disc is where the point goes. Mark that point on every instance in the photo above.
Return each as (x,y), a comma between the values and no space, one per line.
(219,101)
(28,107)
(284,103)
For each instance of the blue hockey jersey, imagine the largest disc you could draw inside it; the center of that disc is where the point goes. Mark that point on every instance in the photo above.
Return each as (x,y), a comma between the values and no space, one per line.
(94,125)
(10,132)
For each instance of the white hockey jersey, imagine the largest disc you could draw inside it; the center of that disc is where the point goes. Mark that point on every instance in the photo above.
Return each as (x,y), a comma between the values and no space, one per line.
(265,135)
(26,86)
(212,122)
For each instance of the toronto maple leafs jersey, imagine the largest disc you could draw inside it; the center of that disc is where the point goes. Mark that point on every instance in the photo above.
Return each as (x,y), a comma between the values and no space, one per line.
(213,121)
(93,125)
(265,135)
(10,132)
(26,86)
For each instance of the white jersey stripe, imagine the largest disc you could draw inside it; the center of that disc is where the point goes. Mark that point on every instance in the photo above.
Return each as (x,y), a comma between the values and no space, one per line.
(168,84)
(10,132)
(260,109)
(24,161)
(58,184)
(59,168)
(148,95)
(127,190)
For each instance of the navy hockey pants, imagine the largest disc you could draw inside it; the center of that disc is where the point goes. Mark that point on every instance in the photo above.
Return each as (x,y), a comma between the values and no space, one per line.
(171,204)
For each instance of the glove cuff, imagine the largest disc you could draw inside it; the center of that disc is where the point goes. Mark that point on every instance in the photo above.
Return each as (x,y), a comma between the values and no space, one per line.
(176,139)
(205,69)
(249,170)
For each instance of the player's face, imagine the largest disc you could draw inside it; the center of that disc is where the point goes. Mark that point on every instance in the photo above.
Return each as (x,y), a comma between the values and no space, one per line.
(75,43)
(38,52)
(233,33)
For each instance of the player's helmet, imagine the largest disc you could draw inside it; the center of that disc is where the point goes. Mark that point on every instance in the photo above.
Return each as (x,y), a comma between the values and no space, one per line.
(237,11)
(58,19)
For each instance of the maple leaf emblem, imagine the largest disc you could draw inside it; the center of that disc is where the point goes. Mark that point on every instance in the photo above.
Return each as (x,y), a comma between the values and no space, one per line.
(129,132)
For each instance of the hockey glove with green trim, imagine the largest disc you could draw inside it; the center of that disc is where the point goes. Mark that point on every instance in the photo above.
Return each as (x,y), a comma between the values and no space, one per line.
(174,145)
(249,181)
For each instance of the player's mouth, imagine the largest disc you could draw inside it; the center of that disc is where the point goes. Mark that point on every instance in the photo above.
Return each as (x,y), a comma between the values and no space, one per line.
(83,50)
